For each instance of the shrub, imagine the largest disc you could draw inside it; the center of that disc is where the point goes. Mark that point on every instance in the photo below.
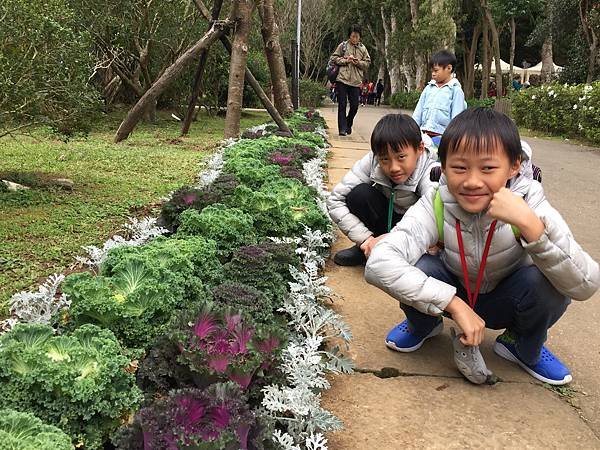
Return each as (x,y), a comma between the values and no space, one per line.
(483,103)
(568,110)
(79,382)
(312,93)
(405,100)
(24,431)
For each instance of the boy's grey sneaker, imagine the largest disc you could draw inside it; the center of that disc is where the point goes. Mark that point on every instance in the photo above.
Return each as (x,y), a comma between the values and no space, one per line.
(352,256)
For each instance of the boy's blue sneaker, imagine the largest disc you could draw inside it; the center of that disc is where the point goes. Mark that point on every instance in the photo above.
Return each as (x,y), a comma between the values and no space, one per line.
(548,369)
(402,340)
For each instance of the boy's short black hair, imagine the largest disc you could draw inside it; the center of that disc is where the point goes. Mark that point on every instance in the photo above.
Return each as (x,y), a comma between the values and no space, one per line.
(355,28)
(480,129)
(443,58)
(395,131)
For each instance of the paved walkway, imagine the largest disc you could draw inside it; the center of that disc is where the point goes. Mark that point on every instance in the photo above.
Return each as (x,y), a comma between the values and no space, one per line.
(429,405)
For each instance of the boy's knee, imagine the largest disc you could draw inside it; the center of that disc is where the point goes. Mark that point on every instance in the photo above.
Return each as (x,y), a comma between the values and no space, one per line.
(359,195)
(543,293)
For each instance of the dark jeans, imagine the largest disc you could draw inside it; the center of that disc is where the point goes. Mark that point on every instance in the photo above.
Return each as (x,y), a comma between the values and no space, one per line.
(524,302)
(371,207)
(346,94)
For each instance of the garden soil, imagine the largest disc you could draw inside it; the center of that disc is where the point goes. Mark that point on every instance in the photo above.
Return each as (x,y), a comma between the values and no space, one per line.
(429,405)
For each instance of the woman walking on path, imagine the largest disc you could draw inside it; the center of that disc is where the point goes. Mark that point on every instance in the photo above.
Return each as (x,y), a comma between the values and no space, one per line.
(353,58)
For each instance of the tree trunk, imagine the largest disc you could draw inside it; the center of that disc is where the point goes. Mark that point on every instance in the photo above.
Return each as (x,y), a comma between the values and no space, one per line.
(470,53)
(270,34)
(496,46)
(255,85)
(547,60)
(237,67)
(185,128)
(485,60)
(419,58)
(513,40)
(149,98)
(590,34)
(392,62)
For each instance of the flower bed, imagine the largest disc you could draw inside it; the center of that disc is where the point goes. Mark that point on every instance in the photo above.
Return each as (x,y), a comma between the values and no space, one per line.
(209,330)
(567,110)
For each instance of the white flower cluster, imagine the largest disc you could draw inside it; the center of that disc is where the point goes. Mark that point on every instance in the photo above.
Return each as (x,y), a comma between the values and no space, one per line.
(138,232)
(36,307)
(307,358)
(313,174)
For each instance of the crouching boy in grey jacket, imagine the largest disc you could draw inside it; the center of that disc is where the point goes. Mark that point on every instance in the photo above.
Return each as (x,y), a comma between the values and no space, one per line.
(381,186)
(509,259)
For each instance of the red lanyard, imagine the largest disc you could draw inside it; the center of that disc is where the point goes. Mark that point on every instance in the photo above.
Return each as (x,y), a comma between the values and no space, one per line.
(463,261)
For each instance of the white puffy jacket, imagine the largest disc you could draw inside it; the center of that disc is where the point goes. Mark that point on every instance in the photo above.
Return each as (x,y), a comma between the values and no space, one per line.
(367,170)
(391,264)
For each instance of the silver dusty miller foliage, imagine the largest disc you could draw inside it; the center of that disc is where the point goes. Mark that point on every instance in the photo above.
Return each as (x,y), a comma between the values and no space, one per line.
(40,306)
(306,360)
(138,232)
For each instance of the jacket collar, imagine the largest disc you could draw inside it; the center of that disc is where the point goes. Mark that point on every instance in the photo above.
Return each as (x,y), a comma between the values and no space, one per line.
(453,82)
(411,184)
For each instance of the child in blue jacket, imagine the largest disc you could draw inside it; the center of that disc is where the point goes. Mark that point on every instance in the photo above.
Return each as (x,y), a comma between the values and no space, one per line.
(442,99)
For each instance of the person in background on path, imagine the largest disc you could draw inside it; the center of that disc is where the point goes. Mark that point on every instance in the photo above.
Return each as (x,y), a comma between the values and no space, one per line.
(332,93)
(381,186)
(492,90)
(516,83)
(442,99)
(364,92)
(353,58)
(371,99)
(379,91)
(509,260)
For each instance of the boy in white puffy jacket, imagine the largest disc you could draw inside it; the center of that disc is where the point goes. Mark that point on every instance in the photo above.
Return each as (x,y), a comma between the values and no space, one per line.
(509,259)
(381,186)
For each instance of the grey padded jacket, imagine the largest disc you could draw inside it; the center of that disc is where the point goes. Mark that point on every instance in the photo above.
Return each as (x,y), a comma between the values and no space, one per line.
(367,170)
(558,256)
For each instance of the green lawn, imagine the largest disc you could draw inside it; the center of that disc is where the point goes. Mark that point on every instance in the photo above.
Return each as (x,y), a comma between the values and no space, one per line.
(43,229)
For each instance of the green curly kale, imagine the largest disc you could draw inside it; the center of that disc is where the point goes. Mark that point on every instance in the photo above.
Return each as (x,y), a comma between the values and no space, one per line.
(229,227)
(79,382)
(24,431)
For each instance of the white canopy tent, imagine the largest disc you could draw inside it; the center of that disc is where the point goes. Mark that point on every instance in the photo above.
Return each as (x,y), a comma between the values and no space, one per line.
(503,65)
(537,70)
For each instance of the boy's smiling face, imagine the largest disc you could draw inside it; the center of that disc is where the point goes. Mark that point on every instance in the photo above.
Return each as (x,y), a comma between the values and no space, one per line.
(399,165)
(474,177)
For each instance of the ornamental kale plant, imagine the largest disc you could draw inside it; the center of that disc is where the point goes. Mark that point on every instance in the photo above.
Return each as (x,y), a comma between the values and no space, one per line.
(24,431)
(179,261)
(214,418)
(239,296)
(255,265)
(189,197)
(229,227)
(80,382)
(227,346)
(141,288)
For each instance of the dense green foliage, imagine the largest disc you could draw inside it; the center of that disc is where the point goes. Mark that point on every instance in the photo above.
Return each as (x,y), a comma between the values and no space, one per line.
(24,431)
(142,287)
(77,382)
(45,63)
(312,93)
(568,110)
(405,100)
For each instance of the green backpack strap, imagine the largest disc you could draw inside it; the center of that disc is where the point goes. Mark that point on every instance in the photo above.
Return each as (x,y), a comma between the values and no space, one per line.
(438,210)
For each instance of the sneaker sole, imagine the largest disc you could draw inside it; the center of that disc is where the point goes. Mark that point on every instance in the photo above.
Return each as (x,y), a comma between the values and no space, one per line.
(505,353)
(437,330)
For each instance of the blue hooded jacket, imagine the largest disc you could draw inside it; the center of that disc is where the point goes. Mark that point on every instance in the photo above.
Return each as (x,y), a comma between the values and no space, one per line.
(439,105)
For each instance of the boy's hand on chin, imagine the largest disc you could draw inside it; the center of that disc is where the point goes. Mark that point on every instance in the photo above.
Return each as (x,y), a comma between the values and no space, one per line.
(512,209)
